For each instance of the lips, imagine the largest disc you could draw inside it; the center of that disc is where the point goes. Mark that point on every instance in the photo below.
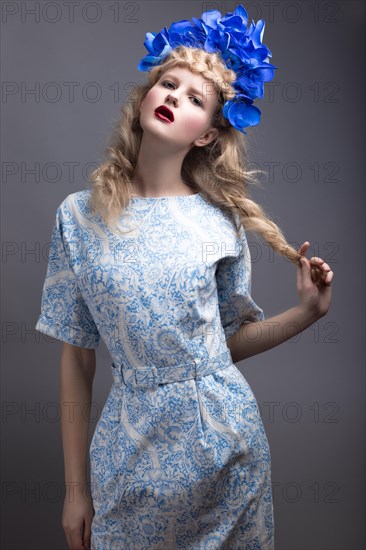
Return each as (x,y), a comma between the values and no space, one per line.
(164,113)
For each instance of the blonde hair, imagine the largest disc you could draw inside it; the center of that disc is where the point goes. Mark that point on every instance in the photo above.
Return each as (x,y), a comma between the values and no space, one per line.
(219,171)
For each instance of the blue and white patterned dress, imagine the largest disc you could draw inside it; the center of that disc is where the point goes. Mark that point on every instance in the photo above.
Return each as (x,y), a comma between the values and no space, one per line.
(179,458)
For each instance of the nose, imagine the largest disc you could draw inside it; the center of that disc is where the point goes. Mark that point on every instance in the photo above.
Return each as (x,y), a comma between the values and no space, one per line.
(172,99)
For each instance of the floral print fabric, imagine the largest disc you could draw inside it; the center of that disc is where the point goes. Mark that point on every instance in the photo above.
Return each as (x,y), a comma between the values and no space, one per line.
(179,457)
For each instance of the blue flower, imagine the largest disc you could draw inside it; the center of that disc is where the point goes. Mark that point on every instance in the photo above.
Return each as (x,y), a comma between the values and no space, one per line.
(240,46)
(158,45)
(241,114)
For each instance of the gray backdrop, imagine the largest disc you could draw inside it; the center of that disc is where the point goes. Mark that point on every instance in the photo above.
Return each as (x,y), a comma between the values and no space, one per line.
(66,69)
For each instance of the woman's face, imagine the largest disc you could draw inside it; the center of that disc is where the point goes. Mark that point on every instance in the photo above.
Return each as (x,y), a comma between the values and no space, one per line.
(191,98)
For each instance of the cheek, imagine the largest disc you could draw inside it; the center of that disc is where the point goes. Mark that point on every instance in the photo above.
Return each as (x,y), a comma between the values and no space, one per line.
(151,101)
(195,123)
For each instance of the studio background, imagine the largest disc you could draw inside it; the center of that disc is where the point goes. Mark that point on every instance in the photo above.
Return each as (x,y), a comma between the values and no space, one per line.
(66,70)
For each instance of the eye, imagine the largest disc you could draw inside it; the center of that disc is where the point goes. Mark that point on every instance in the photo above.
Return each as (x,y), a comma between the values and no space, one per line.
(199,104)
(167,82)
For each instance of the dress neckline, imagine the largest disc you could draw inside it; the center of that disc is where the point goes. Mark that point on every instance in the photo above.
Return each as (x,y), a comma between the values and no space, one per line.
(169,197)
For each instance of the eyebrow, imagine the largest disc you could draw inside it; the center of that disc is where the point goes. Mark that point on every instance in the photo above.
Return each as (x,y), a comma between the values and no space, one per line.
(176,78)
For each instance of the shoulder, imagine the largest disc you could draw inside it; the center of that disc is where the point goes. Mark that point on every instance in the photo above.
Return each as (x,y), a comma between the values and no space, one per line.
(216,211)
(219,226)
(228,221)
(75,205)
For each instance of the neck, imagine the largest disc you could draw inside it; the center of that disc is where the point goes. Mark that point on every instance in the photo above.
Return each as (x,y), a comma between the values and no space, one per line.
(158,169)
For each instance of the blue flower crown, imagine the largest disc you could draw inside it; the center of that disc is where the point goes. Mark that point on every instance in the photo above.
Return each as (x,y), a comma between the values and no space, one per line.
(240,47)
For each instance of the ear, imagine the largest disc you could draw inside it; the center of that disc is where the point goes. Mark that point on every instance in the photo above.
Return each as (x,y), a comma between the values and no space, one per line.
(205,139)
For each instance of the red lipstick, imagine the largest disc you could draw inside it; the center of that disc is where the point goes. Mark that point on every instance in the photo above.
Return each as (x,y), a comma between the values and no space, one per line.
(164,113)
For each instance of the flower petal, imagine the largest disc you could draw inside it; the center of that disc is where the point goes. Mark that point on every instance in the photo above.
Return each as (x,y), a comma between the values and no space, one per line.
(210,18)
(241,115)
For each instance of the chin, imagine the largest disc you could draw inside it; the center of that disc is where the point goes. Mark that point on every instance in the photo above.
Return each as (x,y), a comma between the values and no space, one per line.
(154,130)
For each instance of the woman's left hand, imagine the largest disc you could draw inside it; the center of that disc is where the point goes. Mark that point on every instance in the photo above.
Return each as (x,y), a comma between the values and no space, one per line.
(315,296)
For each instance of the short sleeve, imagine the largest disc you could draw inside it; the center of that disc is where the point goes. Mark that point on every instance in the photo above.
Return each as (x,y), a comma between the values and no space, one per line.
(64,312)
(233,276)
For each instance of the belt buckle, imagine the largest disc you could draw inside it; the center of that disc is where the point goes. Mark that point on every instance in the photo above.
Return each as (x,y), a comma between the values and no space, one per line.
(147,377)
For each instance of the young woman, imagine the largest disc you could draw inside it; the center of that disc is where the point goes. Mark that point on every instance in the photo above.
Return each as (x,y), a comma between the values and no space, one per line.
(155,260)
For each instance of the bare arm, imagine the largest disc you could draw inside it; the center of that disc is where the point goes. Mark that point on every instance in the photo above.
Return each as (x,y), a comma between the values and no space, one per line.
(77,370)
(259,336)
(76,381)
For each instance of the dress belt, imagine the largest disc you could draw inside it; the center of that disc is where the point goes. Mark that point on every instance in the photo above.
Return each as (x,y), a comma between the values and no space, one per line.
(151,377)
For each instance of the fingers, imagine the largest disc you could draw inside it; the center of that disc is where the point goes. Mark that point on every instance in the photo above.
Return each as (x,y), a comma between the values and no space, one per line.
(328,278)
(305,268)
(327,275)
(320,263)
(304,274)
(87,535)
(76,541)
(301,266)
(304,248)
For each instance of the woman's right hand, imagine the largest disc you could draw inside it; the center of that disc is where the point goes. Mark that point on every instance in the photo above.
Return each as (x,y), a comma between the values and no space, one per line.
(77,518)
